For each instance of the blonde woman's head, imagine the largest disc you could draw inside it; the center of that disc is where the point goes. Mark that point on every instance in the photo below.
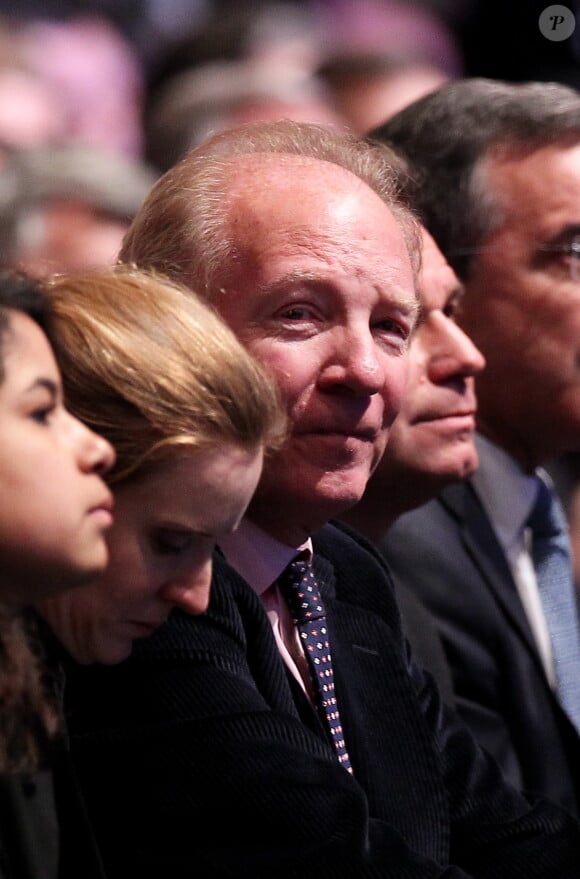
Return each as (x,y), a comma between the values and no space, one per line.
(190,414)
(149,366)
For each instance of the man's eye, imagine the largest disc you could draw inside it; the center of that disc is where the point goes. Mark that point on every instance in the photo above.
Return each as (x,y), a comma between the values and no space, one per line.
(567,255)
(564,248)
(295,312)
(572,249)
(393,327)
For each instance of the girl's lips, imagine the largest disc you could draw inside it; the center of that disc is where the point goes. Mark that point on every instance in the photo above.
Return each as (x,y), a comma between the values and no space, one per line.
(104,515)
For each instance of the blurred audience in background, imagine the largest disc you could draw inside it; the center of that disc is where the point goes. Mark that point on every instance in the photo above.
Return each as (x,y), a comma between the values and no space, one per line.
(221,94)
(379,55)
(98,76)
(253,62)
(78,80)
(369,87)
(111,74)
(66,208)
(30,111)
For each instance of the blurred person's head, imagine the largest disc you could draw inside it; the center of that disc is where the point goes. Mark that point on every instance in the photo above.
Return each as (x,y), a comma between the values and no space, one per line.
(396,28)
(497,183)
(190,415)
(368,88)
(95,70)
(301,240)
(215,96)
(67,207)
(431,443)
(31,112)
(265,32)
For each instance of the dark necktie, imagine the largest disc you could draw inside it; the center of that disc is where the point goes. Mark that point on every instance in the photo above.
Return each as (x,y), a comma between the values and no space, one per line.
(300,589)
(551,557)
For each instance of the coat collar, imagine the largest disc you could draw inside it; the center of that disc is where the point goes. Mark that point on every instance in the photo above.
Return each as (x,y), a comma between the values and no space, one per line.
(483,546)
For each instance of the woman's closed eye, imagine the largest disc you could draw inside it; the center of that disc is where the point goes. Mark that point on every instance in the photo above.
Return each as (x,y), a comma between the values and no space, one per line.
(171,541)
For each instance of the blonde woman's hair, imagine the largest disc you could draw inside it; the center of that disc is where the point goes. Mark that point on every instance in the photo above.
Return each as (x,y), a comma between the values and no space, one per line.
(154,370)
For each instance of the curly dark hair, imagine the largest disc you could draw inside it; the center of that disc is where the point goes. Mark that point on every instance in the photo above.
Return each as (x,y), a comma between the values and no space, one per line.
(28,719)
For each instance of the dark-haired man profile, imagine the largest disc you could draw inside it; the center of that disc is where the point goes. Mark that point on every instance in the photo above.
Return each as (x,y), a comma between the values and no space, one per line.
(497,168)
(432,441)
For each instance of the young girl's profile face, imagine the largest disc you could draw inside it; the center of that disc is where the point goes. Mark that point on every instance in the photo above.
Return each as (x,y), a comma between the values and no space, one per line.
(54,506)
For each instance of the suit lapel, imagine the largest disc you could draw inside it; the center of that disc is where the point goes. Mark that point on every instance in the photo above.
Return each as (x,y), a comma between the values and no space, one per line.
(484,548)
(275,682)
(373,685)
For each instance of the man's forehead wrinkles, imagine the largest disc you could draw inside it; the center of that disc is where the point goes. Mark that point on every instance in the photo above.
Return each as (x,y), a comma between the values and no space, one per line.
(383,288)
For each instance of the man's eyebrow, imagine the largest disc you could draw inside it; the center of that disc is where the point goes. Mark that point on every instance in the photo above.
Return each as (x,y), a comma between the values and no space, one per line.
(569,231)
(295,277)
(411,303)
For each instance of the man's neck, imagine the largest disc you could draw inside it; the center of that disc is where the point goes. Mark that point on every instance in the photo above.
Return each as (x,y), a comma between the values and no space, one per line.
(258,556)
(513,443)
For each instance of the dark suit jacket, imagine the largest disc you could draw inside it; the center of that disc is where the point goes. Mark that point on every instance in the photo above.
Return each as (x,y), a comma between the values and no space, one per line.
(420,630)
(447,553)
(28,827)
(199,758)
(44,830)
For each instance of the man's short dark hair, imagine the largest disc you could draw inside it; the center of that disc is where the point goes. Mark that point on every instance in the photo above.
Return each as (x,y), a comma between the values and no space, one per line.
(446,136)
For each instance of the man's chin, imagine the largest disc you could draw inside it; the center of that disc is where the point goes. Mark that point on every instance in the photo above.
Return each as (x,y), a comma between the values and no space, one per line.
(307,504)
(451,470)
(337,499)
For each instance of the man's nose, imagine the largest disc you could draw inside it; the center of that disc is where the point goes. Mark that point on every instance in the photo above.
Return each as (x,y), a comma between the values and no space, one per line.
(453,353)
(354,364)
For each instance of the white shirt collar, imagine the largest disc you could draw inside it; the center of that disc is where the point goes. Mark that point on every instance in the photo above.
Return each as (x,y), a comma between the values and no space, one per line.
(257,556)
(506,492)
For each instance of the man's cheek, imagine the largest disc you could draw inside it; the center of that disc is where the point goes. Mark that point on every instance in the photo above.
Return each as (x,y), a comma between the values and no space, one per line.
(379,449)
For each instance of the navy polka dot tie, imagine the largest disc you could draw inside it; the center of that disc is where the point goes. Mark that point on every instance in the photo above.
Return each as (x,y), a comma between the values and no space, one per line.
(300,589)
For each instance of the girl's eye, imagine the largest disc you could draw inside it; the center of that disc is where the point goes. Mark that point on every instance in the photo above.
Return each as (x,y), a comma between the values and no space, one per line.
(42,414)
(451,309)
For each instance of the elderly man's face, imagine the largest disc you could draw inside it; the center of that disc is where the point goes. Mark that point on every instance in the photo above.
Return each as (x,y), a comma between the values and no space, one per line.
(431,441)
(322,291)
(522,306)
